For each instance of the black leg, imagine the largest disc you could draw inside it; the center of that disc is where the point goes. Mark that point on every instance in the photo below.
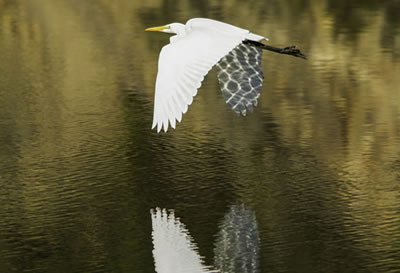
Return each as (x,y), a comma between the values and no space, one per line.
(289,50)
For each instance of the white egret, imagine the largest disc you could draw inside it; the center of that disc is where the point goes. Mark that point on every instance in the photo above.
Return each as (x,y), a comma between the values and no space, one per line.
(194,49)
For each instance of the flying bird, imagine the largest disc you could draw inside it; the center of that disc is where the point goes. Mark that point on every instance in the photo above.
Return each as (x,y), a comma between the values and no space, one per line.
(195,48)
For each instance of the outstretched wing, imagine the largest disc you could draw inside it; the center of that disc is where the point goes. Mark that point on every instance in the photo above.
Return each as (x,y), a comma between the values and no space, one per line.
(240,77)
(182,66)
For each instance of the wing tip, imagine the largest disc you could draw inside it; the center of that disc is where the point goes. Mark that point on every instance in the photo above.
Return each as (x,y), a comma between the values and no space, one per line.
(163,126)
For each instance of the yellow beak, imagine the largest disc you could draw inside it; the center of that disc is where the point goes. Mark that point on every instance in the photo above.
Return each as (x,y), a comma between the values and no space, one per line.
(160,28)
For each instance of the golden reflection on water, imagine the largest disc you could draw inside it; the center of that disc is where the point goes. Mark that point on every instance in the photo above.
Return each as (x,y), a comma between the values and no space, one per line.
(70,65)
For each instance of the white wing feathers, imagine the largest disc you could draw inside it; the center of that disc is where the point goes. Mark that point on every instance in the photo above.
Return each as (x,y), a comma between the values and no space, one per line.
(182,66)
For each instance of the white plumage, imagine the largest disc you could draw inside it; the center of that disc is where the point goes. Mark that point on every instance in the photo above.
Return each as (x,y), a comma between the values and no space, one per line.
(193,51)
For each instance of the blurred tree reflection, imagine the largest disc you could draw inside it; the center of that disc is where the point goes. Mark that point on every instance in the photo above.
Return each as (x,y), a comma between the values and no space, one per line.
(78,76)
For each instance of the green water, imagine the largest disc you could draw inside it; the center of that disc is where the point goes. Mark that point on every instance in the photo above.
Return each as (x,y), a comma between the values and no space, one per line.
(318,161)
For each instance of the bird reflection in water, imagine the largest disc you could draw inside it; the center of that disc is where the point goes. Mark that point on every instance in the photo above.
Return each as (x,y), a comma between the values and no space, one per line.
(236,248)
(237,244)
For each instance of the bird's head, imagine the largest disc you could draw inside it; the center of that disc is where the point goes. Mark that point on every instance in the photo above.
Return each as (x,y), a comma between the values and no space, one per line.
(175,28)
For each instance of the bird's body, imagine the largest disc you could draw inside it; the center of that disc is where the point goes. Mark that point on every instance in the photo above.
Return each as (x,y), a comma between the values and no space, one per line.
(198,46)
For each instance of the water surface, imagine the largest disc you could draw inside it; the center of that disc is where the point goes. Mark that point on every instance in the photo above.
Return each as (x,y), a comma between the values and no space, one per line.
(318,162)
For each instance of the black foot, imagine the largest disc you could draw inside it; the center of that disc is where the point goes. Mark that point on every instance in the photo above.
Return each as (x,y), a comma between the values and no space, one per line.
(292,50)
(289,50)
